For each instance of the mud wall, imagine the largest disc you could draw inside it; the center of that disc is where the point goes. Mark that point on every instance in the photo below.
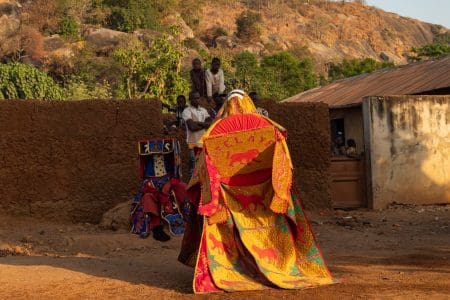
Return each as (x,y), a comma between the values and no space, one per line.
(71,161)
(308,127)
(408,139)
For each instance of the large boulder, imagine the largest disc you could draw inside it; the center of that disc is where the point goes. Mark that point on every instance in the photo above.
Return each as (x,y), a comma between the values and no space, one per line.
(185,32)
(257,48)
(9,18)
(226,42)
(104,39)
(54,42)
(117,217)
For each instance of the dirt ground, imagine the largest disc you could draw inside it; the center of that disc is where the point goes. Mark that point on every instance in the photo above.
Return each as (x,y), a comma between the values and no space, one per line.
(400,253)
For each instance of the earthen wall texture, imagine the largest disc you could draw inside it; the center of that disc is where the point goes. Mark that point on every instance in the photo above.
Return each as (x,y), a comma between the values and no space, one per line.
(308,135)
(71,160)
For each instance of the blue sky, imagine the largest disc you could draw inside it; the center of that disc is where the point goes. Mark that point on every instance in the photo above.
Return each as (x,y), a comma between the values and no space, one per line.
(432,11)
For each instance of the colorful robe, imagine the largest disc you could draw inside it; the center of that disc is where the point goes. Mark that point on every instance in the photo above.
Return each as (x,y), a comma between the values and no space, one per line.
(248,231)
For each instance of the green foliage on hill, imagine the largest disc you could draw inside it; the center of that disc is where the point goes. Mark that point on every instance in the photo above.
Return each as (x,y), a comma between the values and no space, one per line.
(22,81)
(431,51)
(353,67)
(155,73)
(129,15)
(276,76)
(147,64)
(68,27)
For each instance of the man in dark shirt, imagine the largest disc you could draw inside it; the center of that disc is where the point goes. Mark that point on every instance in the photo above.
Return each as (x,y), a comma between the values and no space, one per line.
(219,99)
(178,110)
(198,83)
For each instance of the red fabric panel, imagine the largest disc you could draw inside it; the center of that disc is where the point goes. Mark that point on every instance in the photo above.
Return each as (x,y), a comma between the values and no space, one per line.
(248,179)
(150,204)
(179,188)
(239,122)
(203,281)
(154,222)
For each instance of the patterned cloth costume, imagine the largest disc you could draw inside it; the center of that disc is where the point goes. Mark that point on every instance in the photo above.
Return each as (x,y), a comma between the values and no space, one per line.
(162,193)
(246,230)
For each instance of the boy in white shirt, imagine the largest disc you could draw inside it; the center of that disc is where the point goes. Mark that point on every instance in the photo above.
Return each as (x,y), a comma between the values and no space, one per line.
(215,81)
(197,119)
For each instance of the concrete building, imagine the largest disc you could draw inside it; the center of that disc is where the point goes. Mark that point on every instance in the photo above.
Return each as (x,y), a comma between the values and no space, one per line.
(400,121)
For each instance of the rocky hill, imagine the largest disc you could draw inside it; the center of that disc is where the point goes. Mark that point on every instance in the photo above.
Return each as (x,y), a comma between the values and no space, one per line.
(330,31)
(90,47)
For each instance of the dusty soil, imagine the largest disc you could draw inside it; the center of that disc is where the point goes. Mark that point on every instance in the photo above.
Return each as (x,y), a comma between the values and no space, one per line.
(399,253)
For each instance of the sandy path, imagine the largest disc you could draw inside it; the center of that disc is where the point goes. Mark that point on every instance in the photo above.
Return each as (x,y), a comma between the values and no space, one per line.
(400,253)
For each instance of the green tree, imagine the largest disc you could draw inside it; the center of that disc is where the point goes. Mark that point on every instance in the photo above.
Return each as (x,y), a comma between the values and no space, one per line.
(246,68)
(155,73)
(68,27)
(76,89)
(129,15)
(22,81)
(353,67)
(281,75)
(431,51)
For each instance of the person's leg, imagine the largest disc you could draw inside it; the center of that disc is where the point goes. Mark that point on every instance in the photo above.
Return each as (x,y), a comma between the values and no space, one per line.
(191,162)
(158,229)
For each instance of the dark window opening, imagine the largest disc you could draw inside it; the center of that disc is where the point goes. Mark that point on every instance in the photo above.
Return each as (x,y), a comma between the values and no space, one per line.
(337,129)
(337,137)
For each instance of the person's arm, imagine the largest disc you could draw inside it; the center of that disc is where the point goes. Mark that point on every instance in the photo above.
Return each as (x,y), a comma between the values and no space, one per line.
(164,105)
(208,119)
(193,87)
(195,126)
(191,124)
(221,82)
(208,81)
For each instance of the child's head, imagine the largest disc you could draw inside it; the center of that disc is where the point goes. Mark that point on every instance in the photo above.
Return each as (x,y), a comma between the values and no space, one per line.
(215,64)
(351,143)
(181,101)
(194,98)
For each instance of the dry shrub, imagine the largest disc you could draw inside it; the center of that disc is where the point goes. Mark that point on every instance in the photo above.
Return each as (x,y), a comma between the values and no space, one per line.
(248,26)
(41,15)
(32,43)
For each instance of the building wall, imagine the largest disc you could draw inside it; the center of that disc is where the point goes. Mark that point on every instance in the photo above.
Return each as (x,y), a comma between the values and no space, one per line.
(353,124)
(74,160)
(308,132)
(71,160)
(409,142)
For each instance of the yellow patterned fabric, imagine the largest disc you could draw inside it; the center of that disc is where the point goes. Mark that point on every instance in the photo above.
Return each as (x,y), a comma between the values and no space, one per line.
(254,233)
(242,152)
(237,105)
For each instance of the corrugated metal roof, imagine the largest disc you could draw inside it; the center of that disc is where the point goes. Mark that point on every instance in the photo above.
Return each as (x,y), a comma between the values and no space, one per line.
(409,79)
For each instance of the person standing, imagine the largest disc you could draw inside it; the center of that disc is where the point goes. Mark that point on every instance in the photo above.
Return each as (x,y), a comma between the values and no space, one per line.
(215,81)
(218,101)
(178,110)
(197,120)
(197,74)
